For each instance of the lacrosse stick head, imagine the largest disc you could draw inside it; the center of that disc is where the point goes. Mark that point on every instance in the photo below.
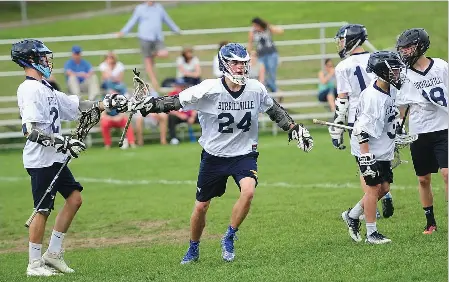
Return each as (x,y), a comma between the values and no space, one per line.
(403,140)
(141,88)
(87,120)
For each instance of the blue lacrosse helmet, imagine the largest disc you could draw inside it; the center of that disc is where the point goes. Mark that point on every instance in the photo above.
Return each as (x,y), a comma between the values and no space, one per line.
(32,53)
(348,37)
(234,62)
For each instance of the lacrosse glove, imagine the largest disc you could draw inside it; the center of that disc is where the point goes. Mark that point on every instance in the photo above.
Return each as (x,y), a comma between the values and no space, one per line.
(67,144)
(369,168)
(145,106)
(302,136)
(115,102)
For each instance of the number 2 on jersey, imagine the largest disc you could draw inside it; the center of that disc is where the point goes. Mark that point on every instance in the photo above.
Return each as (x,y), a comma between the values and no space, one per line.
(54,111)
(244,124)
(358,73)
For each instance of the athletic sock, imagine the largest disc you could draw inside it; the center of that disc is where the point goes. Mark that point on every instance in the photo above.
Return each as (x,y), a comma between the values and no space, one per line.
(34,251)
(370,228)
(428,211)
(55,245)
(356,211)
(231,230)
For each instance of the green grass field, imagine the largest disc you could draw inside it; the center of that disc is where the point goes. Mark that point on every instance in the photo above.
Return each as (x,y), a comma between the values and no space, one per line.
(133,225)
(134,222)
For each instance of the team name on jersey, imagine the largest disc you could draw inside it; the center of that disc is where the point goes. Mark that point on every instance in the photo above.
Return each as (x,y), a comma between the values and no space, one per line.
(428,83)
(52,101)
(236,106)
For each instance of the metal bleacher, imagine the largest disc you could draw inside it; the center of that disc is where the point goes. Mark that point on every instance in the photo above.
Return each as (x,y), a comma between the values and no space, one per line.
(10,127)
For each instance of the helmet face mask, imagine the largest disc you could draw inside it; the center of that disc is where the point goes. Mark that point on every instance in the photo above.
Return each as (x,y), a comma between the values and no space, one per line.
(234,63)
(412,44)
(350,37)
(388,67)
(34,54)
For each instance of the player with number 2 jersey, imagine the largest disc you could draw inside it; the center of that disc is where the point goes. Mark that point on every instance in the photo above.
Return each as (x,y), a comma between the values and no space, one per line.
(426,93)
(42,108)
(228,110)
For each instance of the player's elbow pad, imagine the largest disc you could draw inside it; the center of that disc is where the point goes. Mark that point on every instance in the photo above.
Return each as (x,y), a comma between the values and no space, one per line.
(280,116)
(341,109)
(362,137)
(38,137)
(168,103)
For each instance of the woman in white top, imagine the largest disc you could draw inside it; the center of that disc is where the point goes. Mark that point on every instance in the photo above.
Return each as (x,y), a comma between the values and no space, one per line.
(112,72)
(188,67)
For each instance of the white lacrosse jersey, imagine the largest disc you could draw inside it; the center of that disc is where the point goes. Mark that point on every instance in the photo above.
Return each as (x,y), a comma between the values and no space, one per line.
(376,115)
(41,104)
(427,94)
(352,78)
(229,120)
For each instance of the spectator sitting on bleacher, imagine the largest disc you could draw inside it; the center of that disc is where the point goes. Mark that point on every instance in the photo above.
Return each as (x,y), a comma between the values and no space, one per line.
(327,90)
(188,67)
(112,73)
(216,68)
(80,75)
(151,119)
(113,119)
(257,69)
(180,116)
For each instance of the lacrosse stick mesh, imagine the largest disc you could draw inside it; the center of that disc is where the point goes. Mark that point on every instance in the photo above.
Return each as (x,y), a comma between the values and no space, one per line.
(141,88)
(87,120)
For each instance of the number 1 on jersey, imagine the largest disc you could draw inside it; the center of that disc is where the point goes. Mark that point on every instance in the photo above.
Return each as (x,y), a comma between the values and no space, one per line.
(358,73)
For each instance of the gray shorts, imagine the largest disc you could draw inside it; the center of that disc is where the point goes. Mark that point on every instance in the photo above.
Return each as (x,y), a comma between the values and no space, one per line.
(150,48)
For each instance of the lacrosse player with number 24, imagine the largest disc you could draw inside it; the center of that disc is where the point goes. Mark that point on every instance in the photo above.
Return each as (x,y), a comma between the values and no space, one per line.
(228,110)
(42,108)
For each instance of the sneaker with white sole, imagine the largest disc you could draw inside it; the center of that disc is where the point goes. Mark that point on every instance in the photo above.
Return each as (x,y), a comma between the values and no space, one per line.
(56,260)
(38,268)
(227,246)
(353,226)
(377,239)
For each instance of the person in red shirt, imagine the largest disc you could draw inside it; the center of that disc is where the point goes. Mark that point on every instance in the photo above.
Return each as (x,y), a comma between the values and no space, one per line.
(113,119)
(177,117)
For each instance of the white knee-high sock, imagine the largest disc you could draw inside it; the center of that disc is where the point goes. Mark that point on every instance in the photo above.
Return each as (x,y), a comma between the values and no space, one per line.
(34,251)
(356,211)
(56,239)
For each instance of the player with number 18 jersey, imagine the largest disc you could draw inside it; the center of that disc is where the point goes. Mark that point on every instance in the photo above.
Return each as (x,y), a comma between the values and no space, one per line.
(426,94)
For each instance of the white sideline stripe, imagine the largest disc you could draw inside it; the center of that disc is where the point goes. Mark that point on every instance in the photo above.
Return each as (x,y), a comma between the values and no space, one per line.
(325,185)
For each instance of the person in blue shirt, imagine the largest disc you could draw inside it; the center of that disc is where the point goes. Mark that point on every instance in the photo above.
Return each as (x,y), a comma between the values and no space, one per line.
(80,75)
(150,17)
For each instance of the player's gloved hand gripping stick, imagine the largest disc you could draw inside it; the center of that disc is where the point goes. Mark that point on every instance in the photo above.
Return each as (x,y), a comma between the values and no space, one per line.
(88,119)
(141,90)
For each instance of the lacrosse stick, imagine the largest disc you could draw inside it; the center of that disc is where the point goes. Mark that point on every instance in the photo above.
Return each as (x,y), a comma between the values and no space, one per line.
(87,120)
(400,141)
(141,90)
(326,123)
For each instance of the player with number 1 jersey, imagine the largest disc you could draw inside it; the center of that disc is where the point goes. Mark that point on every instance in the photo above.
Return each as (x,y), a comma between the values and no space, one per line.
(352,78)
(426,93)
(228,110)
